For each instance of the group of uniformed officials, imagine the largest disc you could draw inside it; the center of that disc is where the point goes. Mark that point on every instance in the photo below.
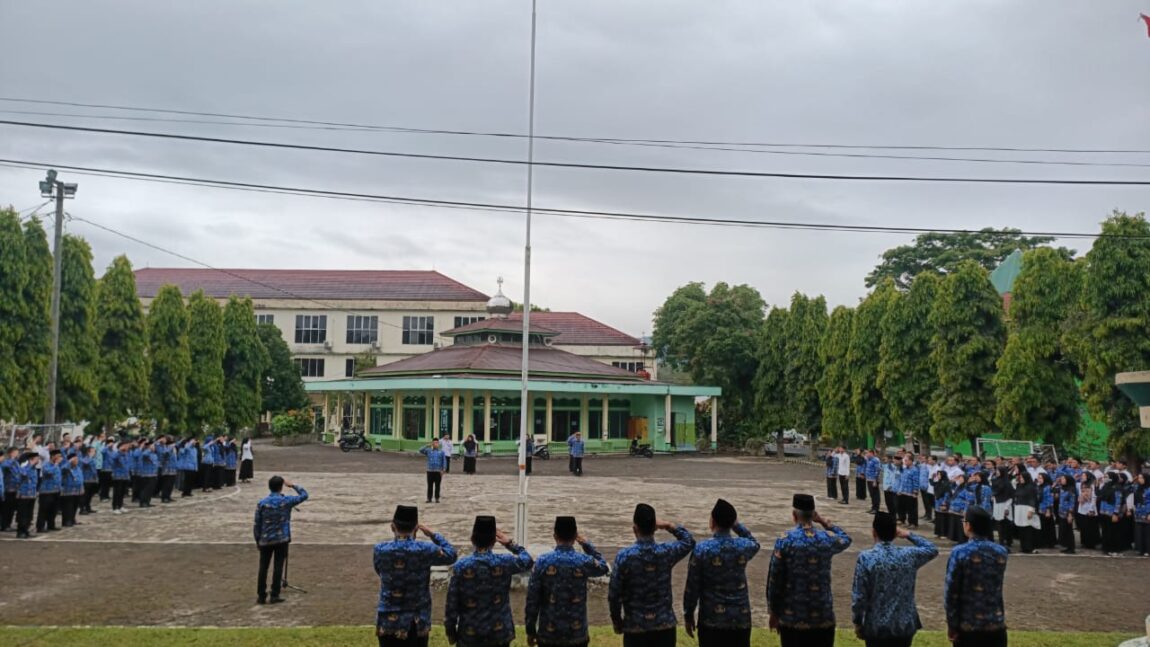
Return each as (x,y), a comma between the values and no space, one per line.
(716,599)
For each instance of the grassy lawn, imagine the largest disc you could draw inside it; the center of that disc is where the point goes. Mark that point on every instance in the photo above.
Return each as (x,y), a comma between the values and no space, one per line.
(337,636)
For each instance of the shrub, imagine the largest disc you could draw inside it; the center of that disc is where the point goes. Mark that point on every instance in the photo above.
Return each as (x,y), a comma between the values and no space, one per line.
(292,423)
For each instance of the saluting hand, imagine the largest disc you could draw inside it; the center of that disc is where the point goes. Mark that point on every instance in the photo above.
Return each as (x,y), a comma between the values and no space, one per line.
(289,484)
(502,538)
(901,533)
(580,539)
(425,530)
(664,525)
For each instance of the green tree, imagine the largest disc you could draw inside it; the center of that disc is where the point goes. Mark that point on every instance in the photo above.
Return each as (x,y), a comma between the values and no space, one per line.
(171,359)
(835,385)
(1035,384)
(968,339)
(1116,305)
(672,345)
(244,363)
(121,334)
(804,333)
(770,377)
(208,346)
(282,385)
(34,351)
(871,411)
(907,377)
(13,280)
(76,391)
(943,252)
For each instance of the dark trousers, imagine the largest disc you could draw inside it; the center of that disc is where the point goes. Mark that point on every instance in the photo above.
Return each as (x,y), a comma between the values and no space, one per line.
(434,479)
(1025,538)
(890,497)
(890,642)
(135,487)
(955,530)
(942,523)
(119,488)
(188,482)
(105,484)
(167,482)
(928,505)
(46,514)
(412,640)
(860,488)
(832,488)
(845,488)
(147,489)
(279,552)
(217,477)
(578,469)
(661,638)
(446,464)
(230,476)
(981,639)
(1111,534)
(1047,538)
(1088,527)
(789,637)
(908,509)
(872,490)
(1006,532)
(1066,534)
(1142,537)
(205,476)
(90,490)
(68,507)
(7,510)
(528,470)
(724,637)
(24,515)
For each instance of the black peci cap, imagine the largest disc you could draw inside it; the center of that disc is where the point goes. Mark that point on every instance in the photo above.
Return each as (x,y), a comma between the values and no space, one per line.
(803,503)
(885,525)
(724,514)
(644,515)
(406,514)
(566,528)
(483,532)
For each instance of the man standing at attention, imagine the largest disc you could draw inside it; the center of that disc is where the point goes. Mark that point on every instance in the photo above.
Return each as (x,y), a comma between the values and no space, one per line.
(882,599)
(975,613)
(403,617)
(799,581)
(272,530)
(639,596)
(873,467)
(575,448)
(717,582)
(436,464)
(557,592)
(478,612)
(843,471)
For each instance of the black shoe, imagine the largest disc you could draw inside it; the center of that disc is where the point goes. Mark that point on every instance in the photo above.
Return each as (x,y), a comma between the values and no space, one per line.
(437,500)
(429,500)
(261,600)
(1067,551)
(276,599)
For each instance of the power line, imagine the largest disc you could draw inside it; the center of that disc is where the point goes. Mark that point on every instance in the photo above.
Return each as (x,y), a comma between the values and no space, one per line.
(700,142)
(565,213)
(674,145)
(574,165)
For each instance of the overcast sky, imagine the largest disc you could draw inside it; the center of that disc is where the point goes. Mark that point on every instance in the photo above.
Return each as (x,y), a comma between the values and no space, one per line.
(1048,74)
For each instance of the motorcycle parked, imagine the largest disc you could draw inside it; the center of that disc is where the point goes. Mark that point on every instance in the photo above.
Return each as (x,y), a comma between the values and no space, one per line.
(542,452)
(643,451)
(354,440)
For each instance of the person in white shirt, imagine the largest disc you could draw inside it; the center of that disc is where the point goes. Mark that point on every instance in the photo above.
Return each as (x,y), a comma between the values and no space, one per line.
(448,450)
(246,461)
(843,470)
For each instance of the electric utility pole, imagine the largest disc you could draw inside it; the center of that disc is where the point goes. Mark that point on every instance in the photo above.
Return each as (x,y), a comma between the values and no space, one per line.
(52,188)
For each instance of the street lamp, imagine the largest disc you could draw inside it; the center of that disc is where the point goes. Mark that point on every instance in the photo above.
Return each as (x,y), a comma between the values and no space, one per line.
(50,187)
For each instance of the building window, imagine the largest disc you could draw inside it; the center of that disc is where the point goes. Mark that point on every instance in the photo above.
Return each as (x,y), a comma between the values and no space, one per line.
(362,329)
(418,331)
(265,319)
(310,329)
(309,366)
(633,367)
(349,367)
(463,321)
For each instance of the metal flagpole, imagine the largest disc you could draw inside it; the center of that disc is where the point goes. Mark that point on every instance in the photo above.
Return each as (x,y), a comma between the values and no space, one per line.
(524,404)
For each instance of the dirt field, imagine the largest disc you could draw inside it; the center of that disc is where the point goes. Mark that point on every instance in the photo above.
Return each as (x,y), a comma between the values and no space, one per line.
(194,562)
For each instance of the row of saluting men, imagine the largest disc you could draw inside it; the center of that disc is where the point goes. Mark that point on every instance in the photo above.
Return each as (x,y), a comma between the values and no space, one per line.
(716,602)
(63,482)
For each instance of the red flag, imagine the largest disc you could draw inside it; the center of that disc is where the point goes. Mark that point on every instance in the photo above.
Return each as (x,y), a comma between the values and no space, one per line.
(1146,19)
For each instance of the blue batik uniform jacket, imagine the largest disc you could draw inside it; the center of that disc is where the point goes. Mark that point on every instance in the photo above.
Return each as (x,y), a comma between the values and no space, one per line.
(28,485)
(1112,505)
(973,589)
(230,456)
(436,461)
(799,580)
(974,494)
(717,580)
(208,452)
(908,481)
(168,463)
(149,464)
(71,480)
(218,459)
(10,467)
(959,499)
(639,595)
(890,476)
(134,456)
(575,447)
(404,569)
(1067,502)
(478,608)
(107,452)
(873,467)
(273,517)
(49,479)
(88,469)
(882,598)
(187,458)
(557,594)
(1045,499)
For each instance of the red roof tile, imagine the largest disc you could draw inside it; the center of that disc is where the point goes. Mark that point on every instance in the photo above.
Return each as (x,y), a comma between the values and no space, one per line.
(499,325)
(336,285)
(579,330)
(492,360)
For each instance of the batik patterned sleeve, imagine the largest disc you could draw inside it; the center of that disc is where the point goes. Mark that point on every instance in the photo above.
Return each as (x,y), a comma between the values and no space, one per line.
(841,540)
(615,593)
(598,566)
(451,608)
(952,589)
(743,532)
(694,584)
(685,543)
(923,550)
(445,554)
(776,575)
(860,591)
(293,501)
(534,598)
(258,522)
(523,559)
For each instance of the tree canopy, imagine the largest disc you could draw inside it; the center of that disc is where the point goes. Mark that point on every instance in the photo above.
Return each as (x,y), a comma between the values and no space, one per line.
(171,360)
(13,279)
(207,346)
(907,377)
(770,377)
(244,362)
(76,391)
(835,385)
(871,411)
(943,252)
(804,330)
(282,385)
(121,333)
(35,347)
